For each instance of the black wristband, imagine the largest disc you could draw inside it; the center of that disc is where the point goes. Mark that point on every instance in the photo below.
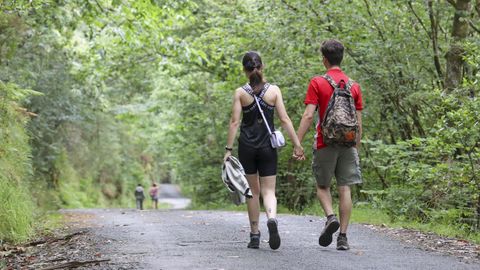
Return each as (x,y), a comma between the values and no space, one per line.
(228,148)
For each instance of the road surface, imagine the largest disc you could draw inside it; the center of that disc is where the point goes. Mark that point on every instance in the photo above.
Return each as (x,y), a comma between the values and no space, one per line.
(170,194)
(182,239)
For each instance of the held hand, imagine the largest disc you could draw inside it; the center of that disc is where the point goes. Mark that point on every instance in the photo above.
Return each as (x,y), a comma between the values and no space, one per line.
(227,154)
(298,153)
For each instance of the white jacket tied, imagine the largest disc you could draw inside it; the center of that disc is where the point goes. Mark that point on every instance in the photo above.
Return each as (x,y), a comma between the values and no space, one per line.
(233,176)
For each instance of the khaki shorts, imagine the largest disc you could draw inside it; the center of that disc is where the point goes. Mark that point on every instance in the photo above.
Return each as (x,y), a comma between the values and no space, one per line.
(339,161)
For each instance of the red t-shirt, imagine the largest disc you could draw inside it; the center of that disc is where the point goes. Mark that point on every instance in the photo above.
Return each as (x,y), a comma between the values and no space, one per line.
(319,93)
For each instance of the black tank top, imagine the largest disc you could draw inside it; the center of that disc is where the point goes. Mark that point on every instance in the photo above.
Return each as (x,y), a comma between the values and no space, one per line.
(253,131)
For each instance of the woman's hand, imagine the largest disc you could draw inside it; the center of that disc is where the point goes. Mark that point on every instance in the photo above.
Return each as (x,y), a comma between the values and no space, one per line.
(227,155)
(298,153)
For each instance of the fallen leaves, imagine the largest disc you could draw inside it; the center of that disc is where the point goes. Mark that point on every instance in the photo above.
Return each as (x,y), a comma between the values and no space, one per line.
(74,264)
(62,251)
(460,248)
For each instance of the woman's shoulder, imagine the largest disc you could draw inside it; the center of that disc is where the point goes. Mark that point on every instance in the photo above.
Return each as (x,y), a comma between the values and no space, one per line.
(239,92)
(273,88)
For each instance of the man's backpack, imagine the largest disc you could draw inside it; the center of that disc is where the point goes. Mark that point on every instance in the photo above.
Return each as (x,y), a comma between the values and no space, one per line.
(340,125)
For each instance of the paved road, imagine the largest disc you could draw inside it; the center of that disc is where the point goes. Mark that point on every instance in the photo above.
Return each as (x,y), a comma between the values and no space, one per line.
(170,194)
(182,239)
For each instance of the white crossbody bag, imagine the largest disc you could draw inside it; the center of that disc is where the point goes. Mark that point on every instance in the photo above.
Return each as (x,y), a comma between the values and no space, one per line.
(276,137)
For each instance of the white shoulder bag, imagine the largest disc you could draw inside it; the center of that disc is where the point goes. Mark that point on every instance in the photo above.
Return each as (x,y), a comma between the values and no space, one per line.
(276,137)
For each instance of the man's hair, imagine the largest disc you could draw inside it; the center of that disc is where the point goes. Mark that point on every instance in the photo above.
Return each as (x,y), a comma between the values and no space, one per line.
(332,50)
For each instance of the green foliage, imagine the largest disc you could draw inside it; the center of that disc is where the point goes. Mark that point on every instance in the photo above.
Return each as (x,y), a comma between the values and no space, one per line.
(16,211)
(140,91)
(75,192)
(16,204)
(436,178)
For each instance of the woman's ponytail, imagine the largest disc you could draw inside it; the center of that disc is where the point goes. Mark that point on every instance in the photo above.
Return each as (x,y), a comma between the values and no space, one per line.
(256,78)
(252,63)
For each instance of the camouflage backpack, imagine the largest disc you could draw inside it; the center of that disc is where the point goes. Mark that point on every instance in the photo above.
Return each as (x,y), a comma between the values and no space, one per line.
(339,125)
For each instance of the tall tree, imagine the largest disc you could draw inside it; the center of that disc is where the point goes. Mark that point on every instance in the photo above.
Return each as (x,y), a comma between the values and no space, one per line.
(454,69)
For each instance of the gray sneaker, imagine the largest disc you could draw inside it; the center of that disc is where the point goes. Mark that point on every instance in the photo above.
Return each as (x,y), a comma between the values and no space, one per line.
(342,243)
(254,240)
(274,240)
(331,226)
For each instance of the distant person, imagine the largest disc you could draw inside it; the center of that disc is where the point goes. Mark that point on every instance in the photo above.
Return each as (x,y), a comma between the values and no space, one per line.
(139,196)
(340,157)
(257,156)
(154,195)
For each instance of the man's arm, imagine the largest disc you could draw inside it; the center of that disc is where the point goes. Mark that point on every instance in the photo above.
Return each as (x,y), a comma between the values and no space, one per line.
(306,121)
(360,129)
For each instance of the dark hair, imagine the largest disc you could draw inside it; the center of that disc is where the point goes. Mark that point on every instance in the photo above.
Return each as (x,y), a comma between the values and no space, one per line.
(154,185)
(332,50)
(253,63)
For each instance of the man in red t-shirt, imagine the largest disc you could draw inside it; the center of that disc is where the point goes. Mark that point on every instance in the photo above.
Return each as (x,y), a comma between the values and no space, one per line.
(332,160)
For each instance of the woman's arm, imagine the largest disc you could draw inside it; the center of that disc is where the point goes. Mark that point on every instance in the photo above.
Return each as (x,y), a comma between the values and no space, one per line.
(234,122)
(287,124)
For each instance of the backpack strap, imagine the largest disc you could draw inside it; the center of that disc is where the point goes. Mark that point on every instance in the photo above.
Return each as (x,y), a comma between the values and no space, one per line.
(330,81)
(348,85)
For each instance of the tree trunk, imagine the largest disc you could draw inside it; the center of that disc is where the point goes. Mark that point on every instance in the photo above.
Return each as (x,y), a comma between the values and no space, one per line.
(454,69)
(434,39)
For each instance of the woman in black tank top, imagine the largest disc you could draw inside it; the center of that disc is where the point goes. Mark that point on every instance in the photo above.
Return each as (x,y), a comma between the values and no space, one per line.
(255,153)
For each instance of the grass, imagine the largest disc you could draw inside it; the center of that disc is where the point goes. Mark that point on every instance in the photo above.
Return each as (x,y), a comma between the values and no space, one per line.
(48,222)
(16,213)
(368,215)
(377,217)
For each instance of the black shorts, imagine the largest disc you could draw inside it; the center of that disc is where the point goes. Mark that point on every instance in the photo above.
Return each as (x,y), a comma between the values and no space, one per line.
(262,160)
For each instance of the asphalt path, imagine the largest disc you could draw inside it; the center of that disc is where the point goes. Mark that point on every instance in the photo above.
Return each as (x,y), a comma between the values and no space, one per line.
(183,239)
(170,194)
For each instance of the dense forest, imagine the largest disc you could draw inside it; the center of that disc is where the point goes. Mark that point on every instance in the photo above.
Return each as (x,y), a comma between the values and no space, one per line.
(99,95)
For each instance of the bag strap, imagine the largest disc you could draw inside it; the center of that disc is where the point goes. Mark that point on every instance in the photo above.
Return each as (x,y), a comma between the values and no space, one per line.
(329,79)
(349,85)
(263,115)
(249,90)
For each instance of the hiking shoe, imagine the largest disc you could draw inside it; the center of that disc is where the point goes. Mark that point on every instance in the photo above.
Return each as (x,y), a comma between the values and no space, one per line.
(342,243)
(274,240)
(254,240)
(331,226)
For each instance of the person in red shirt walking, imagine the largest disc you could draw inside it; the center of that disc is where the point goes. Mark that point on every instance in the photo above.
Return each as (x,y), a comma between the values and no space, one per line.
(154,195)
(332,160)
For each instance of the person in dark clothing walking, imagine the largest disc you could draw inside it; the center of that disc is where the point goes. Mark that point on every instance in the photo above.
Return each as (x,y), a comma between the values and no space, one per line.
(257,156)
(139,196)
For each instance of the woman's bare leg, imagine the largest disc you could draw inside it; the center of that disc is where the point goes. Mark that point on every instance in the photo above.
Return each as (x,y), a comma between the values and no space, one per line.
(267,188)
(253,204)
